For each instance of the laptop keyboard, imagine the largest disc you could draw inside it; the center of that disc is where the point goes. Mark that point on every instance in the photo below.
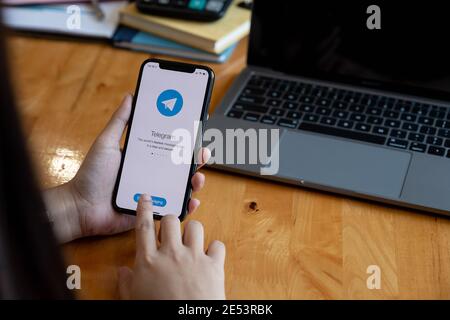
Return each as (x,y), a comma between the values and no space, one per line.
(378,119)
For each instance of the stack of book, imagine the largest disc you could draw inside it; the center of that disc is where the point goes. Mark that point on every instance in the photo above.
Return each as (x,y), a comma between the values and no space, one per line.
(126,27)
(205,41)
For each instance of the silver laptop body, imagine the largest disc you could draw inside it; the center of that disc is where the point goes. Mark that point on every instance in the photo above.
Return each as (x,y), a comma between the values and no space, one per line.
(326,156)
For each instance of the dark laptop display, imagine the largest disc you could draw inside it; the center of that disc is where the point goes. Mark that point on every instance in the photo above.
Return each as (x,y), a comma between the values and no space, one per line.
(330,40)
(360,92)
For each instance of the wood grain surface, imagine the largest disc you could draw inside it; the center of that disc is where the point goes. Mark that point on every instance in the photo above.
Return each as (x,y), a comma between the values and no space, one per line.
(282,242)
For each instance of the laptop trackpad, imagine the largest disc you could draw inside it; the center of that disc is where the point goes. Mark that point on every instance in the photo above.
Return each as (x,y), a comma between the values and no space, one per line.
(343,164)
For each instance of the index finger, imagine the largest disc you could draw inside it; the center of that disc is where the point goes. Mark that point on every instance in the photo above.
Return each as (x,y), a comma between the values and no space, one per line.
(145,228)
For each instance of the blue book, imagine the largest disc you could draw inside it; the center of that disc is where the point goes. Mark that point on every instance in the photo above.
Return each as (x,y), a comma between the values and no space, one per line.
(142,41)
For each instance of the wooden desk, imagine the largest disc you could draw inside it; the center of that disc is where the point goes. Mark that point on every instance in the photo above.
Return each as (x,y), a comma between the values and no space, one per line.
(296,244)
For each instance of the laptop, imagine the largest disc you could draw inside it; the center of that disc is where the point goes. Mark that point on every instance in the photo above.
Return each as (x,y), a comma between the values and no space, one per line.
(360,95)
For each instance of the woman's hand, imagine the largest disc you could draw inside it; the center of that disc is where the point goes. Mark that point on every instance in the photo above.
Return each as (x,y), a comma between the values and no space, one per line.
(82,207)
(178,268)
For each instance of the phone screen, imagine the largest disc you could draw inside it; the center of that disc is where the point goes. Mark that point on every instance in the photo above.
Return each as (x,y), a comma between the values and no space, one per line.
(167,100)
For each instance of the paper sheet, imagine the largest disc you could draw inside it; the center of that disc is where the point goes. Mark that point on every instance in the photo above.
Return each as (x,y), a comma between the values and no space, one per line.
(63,18)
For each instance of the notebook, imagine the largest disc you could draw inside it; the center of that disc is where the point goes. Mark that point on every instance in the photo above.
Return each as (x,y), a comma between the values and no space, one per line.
(212,37)
(60,19)
(146,42)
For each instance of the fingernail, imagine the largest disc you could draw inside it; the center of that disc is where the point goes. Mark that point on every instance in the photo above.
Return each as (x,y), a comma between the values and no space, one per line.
(126,97)
(145,197)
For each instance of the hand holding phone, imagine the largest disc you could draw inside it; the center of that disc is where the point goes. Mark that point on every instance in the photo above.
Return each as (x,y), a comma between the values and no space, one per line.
(169,97)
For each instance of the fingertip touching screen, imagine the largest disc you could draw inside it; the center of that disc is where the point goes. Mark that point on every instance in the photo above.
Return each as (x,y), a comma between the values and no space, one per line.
(167,102)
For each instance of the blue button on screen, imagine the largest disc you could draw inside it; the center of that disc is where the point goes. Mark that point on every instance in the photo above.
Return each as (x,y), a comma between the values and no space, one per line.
(157,201)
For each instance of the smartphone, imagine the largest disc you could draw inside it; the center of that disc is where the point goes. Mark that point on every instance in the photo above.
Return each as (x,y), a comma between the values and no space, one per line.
(169,97)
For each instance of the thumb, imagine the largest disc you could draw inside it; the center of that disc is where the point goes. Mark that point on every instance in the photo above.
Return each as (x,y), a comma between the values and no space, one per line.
(125,282)
(114,129)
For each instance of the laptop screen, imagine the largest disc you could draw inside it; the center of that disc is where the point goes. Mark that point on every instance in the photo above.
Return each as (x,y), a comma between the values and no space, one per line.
(395,45)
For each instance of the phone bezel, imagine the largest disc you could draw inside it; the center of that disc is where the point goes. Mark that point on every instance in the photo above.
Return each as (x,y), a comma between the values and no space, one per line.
(175,66)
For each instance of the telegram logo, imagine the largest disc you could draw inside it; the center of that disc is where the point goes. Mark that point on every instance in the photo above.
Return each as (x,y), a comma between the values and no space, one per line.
(169,103)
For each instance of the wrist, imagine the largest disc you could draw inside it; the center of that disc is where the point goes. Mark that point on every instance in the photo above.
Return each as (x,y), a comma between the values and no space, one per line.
(63,213)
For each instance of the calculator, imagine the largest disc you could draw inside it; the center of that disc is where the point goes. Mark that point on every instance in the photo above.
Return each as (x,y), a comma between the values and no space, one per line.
(200,10)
